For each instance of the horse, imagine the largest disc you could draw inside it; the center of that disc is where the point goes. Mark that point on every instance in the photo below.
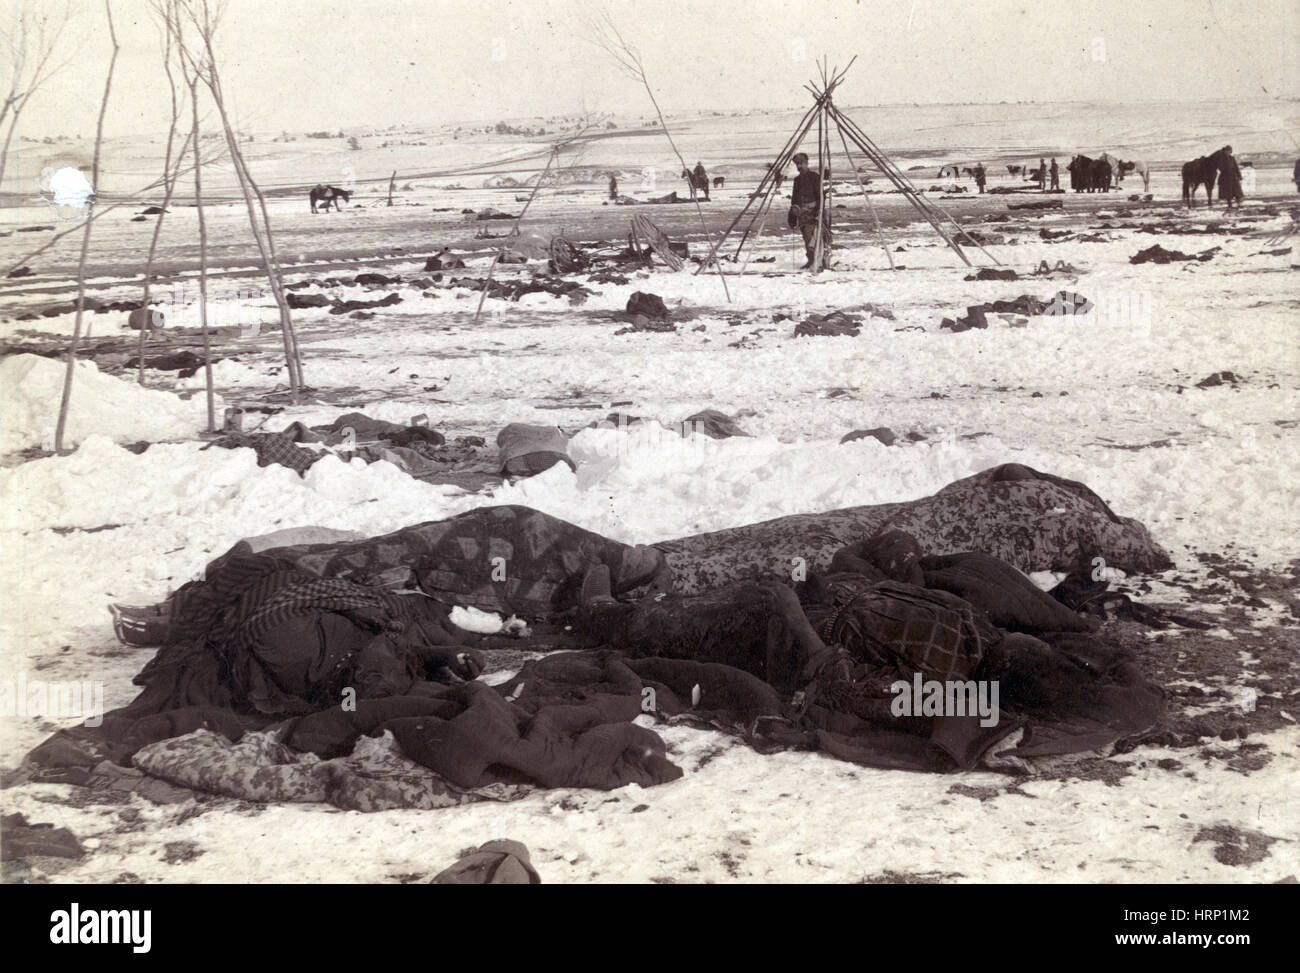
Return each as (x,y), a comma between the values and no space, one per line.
(697,183)
(1015,170)
(719,182)
(1101,175)
(1138,168)
(327,195)
(1116,168)
(1202,172)
(1089,175)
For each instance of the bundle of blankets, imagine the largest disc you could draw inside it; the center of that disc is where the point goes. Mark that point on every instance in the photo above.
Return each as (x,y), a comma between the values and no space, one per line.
(415,449)
(330,671)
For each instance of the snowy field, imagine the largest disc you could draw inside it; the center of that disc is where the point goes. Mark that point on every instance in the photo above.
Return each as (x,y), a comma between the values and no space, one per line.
(1109,398)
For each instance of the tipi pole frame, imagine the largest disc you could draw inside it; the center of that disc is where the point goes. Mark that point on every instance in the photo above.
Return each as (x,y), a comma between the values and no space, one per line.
(866,197)
(825,112)
(900,180)
(769,176)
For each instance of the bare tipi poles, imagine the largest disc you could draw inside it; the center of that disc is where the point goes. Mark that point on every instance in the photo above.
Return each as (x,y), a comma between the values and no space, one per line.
(824,115)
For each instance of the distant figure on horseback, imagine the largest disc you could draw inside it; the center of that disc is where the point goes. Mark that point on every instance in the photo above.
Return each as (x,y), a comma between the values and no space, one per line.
(328,195)
(1202,172)
(697,180)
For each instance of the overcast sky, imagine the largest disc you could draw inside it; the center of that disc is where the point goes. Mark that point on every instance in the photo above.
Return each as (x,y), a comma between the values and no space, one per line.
(305,64)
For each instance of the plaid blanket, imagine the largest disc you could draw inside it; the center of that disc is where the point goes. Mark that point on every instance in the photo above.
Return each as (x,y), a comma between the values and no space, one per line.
(251,594)
(909,628)
(271,448)
(303,595)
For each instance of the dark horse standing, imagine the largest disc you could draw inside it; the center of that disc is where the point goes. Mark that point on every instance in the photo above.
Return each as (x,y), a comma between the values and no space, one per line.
(1089,175)
(327,195)
(1202,172)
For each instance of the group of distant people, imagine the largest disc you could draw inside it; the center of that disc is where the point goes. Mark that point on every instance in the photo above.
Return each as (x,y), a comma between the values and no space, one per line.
(807,214)
(1040,175)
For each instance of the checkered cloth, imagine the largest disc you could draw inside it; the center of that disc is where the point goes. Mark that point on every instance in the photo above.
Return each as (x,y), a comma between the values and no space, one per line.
(305,596)
(912,629)
(252,594)
(278,447)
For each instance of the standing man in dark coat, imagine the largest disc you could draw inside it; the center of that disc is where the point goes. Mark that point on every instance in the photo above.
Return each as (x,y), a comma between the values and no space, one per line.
(979,176)
(1056,174)
(613,186)
(1230,180)
(806,213)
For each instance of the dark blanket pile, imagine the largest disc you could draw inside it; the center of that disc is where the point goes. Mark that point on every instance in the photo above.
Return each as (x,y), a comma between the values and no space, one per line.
(244,697)
(564,721)
(1157,254)
(572,729)
(512,290)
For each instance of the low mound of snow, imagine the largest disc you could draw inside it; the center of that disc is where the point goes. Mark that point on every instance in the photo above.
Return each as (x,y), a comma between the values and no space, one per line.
(101,405)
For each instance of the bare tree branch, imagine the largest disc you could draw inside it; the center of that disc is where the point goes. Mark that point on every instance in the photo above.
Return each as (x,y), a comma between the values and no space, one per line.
(66,398)
(607,37)
(35,38)
(205,17)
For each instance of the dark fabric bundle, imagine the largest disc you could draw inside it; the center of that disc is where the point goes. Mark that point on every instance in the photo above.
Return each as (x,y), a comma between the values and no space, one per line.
(730,693)
(365,430)
(712,423)
(1010,600)
(890,555)
(591,744)
(502,862)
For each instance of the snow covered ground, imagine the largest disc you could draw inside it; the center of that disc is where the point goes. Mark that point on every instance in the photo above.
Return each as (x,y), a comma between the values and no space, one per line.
(1109,398)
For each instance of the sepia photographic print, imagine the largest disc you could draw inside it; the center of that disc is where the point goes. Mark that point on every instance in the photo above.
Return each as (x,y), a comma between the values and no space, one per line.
(691,442)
